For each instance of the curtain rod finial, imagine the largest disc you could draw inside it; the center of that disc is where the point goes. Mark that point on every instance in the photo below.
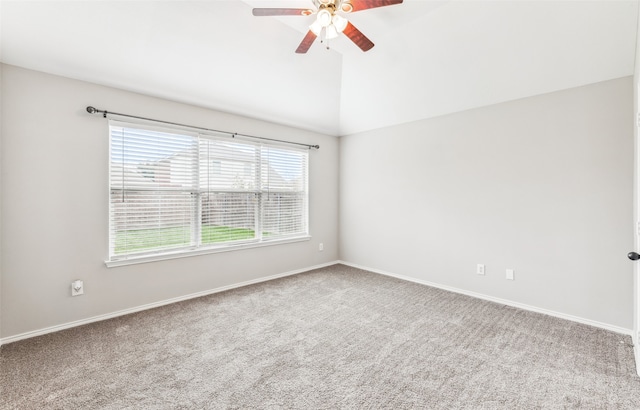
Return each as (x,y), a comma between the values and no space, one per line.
(91,110)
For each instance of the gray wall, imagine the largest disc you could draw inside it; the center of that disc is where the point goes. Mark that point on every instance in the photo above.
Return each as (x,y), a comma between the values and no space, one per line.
(542,185)
(1,128)
(54,201)
(636,208)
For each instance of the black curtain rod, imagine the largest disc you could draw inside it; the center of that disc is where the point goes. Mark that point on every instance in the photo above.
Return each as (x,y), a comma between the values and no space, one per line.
(92,110)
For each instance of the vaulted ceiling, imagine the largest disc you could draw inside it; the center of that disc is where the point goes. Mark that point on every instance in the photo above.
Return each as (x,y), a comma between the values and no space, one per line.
(431,57)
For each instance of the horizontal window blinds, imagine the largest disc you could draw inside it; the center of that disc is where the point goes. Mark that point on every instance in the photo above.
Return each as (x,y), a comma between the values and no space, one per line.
(230,205)
(283,180)
(177,191)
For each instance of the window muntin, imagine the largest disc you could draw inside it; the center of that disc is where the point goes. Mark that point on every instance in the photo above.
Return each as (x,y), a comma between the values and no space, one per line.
(176,192)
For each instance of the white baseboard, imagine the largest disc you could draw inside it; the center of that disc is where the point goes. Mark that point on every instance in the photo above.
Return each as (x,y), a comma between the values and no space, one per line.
(123,312)
(523,306)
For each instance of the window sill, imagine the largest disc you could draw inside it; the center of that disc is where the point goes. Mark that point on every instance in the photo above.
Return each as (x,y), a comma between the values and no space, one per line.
(185,254)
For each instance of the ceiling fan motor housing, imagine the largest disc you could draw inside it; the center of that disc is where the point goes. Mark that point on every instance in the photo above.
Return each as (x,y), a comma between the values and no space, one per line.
(343,5)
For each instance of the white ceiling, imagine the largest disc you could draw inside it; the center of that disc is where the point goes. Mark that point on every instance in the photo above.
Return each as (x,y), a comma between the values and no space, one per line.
(431,57)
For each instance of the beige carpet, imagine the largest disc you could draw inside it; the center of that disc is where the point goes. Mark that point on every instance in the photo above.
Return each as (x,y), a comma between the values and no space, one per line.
(333,338)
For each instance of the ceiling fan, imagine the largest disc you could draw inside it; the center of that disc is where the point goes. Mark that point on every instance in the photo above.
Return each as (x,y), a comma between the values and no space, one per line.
(329,23)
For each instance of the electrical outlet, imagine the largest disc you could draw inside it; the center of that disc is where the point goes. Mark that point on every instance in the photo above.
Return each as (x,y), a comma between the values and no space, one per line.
(77,288)
(480,269)
(321,247)
(510,274)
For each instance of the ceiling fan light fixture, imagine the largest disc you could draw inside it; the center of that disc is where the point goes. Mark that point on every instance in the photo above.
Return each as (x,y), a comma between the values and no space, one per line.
(324,17)
(316,28)
(339,22)
(332,32)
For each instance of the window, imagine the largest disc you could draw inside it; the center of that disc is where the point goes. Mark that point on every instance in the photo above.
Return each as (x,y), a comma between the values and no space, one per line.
(178,192)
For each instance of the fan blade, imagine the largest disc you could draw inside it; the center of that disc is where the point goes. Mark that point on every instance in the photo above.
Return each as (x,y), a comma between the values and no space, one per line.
(306,42)
(357,37)
(370,4)
(282,12)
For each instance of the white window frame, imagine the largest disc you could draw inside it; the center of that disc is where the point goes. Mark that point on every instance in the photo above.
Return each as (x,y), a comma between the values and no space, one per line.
(198,248)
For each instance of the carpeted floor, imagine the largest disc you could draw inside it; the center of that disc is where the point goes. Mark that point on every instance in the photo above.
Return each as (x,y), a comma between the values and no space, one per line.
(336,337)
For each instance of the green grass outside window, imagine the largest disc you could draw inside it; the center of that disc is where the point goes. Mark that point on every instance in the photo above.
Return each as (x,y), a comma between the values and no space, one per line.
(149,239)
